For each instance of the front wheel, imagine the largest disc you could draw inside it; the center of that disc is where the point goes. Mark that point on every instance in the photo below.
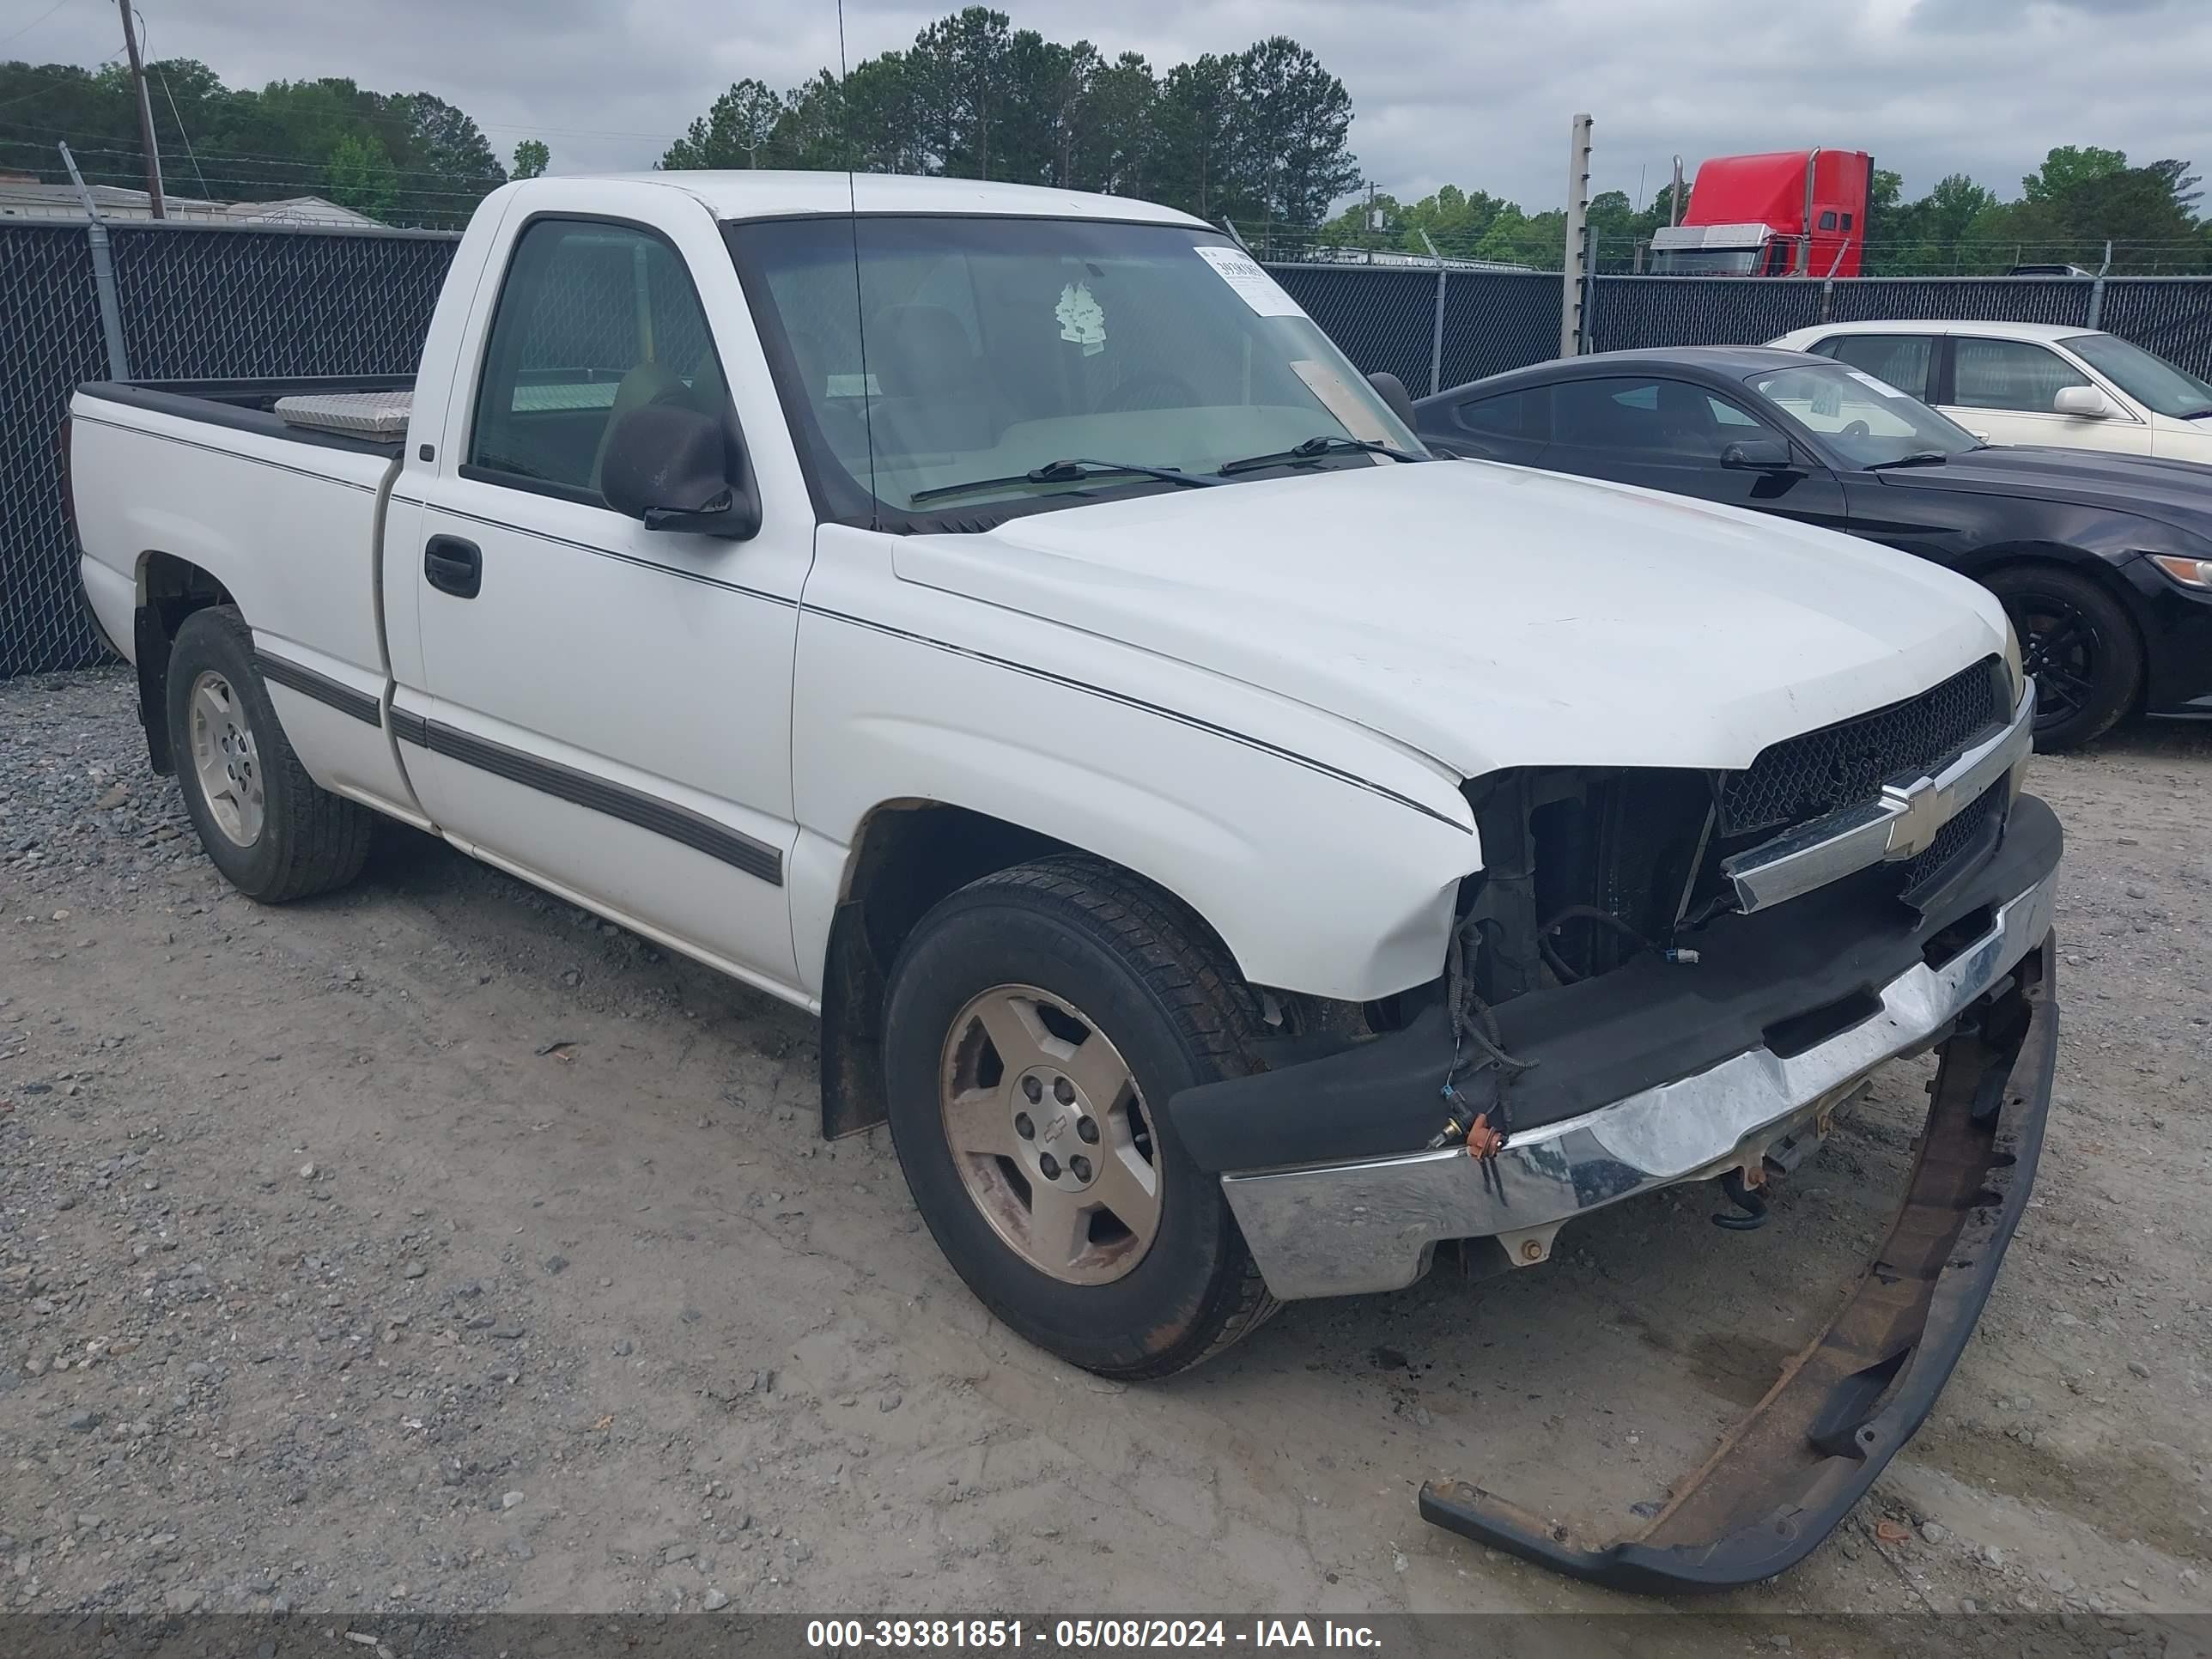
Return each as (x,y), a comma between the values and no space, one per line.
(1037,1021)
(2079,647)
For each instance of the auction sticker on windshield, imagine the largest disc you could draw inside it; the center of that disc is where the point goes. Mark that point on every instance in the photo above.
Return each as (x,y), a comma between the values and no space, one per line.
(1254,285)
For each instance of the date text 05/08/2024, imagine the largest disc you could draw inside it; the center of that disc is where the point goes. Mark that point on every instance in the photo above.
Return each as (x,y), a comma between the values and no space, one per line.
(1082,1635)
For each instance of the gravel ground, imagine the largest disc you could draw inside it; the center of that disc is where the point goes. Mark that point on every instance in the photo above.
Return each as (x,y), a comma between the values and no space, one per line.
(434,1247)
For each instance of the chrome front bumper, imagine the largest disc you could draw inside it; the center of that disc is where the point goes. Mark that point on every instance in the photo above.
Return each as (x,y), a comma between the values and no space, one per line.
(1338,1229)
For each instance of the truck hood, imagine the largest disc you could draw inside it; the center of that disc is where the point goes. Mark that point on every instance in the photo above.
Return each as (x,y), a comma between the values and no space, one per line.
(1488,615)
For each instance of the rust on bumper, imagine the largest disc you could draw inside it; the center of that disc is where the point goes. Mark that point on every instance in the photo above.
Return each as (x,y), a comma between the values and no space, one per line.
(1780,1481)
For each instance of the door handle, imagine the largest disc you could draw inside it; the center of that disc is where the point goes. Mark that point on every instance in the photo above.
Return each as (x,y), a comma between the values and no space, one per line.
(454,566)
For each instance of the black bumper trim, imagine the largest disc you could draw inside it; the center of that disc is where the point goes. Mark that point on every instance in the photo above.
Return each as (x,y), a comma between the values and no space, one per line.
(1785,1477)
(1605,1039)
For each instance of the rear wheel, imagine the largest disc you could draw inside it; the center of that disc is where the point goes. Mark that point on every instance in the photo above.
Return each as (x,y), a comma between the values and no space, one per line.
(1037,1023)
(2079,647)
(265,823)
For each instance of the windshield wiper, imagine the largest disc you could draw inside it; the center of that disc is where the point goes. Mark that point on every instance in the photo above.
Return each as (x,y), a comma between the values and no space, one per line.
(1313,449)
(1068,472)
(1918,457)
(2194,414)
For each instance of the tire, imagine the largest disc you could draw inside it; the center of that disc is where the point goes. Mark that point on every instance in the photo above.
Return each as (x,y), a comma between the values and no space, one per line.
(2080,649)
(273,833)
(1094,945)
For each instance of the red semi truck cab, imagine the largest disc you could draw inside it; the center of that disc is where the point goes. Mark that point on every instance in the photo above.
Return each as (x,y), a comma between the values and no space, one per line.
(1787,213)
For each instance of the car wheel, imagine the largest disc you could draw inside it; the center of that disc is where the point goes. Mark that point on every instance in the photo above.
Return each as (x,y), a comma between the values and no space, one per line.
(2079,647)
(265,823)
(1036,1023)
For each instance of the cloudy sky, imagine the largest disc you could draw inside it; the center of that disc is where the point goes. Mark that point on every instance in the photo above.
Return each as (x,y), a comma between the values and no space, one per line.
(1476,92)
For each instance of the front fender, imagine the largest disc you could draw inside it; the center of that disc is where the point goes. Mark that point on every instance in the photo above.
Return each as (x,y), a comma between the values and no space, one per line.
(1328,860)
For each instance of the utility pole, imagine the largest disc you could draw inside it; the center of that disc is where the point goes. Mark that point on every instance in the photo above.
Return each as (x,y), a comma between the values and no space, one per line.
(145,115)
(1573,273)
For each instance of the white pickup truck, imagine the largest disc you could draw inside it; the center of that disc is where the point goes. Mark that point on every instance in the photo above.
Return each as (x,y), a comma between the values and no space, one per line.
(1225,900)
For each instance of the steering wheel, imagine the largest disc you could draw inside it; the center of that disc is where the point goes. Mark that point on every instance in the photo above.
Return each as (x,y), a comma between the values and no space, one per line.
(1145,391)
(1857,429)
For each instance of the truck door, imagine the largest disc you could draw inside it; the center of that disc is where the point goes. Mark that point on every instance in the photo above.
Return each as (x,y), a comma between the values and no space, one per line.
(608,707)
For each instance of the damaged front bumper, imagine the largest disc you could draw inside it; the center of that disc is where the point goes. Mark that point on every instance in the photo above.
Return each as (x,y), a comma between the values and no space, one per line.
(1341,1229)
(1782,1479)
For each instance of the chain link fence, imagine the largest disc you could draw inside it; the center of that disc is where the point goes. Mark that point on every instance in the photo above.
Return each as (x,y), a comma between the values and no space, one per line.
(50,340)
(198,301)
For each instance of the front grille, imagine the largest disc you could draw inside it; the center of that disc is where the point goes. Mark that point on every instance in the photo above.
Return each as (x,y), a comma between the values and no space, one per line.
(1803,778)
(1965,830)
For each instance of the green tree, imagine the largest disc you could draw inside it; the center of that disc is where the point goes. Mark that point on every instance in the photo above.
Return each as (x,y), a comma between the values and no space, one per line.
(532,158)
(1292,118)
(734,133)
(2069,166)
(361,177)
(1117,117)
(1194,160)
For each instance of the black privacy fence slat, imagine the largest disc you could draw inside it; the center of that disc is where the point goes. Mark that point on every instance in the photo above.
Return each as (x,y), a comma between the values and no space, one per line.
(2170,315)
(1649,311)
(2063,300)
(1383,319)
(1496,320)
(50,340)
(215,302)
(225,302)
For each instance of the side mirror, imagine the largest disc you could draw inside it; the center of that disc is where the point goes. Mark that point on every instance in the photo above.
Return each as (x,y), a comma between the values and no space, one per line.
(1757,455)
(2087,402)
(676,469)
(1392,392)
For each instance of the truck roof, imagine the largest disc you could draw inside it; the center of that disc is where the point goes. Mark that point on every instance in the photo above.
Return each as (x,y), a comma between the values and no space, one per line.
(1768,188)
(770,194)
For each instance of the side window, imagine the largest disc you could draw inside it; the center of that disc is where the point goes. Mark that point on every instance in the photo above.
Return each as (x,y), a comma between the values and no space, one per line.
(2014,374)
(593,321)
(1828,220)
(1899,360)
(1512,415)
(1668,419)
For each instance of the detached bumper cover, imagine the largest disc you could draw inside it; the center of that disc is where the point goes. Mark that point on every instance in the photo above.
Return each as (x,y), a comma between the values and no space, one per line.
(1785,1476)
(1338,1229)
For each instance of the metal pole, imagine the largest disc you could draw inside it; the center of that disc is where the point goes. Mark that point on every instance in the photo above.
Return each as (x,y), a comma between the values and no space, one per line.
(103,275)
(1437,326)
(2097,290)
(1571,296)
(1589,295)
(145,115)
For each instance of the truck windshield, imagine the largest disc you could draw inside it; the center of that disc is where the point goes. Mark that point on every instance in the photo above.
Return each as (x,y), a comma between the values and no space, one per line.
(1707,261)
(1868,422)
(2146,377)
(941,365)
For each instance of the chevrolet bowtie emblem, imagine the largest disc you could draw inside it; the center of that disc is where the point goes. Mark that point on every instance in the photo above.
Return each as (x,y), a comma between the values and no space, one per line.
(1920,815)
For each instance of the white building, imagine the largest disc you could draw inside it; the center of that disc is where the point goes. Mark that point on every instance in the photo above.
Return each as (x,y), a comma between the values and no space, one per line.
(24,197)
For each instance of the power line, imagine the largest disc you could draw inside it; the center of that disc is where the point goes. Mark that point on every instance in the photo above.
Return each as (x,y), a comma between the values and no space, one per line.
(185,137)
(33,23)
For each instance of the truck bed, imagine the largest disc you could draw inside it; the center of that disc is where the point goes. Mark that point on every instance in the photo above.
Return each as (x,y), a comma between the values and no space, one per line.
(205,474)
(251,405)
